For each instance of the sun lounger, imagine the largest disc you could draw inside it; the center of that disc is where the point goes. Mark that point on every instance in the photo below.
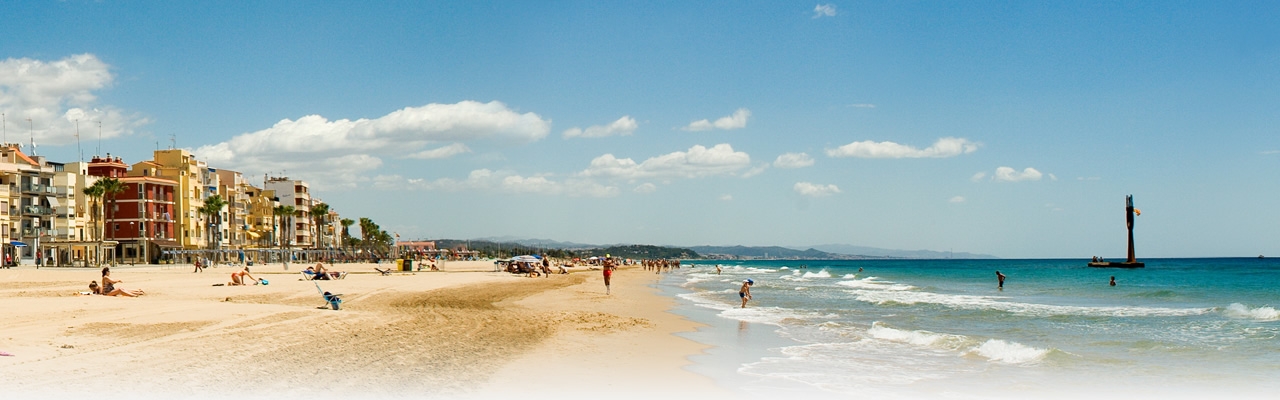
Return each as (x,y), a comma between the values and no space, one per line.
(384,272)
(333,300)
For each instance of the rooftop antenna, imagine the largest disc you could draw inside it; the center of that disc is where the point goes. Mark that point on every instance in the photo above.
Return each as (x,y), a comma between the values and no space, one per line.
(32,131)
(173,141)
(78,149)
(99,152)
(5,122)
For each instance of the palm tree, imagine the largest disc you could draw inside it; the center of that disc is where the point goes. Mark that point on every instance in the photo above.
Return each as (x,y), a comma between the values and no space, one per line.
(319,213)
(95,193)
(212,210)
(110,188)
(346,230)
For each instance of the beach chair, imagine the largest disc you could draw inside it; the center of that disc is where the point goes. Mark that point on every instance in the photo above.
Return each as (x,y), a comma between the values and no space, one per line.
(307,275)
(333,300)
(384,272)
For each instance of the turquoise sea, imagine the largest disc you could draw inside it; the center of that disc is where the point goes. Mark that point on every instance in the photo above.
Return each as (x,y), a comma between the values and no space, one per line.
(1179,328)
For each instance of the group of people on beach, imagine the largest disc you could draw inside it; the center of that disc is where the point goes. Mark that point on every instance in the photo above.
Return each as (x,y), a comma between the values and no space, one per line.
(109,287)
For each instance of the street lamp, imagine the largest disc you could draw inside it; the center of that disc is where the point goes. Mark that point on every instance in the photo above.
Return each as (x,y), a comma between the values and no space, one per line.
(36,222)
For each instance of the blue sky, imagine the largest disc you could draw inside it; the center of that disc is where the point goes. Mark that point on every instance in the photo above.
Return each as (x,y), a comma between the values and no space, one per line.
(1006,128)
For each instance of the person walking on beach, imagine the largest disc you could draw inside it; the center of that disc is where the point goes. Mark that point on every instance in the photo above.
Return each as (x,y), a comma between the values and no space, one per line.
(199,266)
(608,273)
(745,291)
(1000,277)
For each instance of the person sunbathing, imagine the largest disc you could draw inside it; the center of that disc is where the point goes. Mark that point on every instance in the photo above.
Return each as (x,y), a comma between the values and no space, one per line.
(109,286)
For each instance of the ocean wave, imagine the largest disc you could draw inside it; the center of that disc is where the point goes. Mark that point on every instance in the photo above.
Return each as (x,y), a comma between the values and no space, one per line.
(850,276)
(971,302)
(872,283)
(1010,352)
(1237,310)
(918,338)
(820,274)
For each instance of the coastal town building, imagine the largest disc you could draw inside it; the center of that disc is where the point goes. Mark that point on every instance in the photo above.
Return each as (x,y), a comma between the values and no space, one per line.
(297,194)
(31,199)
(234,189)
(191,175)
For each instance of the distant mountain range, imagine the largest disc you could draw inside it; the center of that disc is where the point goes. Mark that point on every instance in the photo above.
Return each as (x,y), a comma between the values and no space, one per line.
(819,252)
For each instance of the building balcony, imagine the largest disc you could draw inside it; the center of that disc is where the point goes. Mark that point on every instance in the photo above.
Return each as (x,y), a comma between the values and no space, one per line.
(36,210)
(37,188)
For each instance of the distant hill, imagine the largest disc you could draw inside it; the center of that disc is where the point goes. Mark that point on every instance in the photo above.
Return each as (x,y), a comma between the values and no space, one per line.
(766,252)
(878,252)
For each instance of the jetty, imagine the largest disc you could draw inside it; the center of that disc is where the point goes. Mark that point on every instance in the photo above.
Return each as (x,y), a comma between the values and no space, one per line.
(1131,262)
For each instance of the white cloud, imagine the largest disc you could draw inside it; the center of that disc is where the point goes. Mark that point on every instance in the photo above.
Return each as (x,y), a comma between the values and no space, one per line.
(957,199)
(756,170)
(944,147)
(1091,178)
(863,105)
(978,176)
(699,161)
(55,94)
(726,197)
(502,182)
(736,121)
(1006,174)
(1270,152)
(441,152)
(622,127)
(304,144)
(646,188)
(815,190)
(824,10)
(793,160)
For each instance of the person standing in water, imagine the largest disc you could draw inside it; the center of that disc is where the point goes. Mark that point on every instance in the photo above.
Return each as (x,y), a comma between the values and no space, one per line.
(745,291)
(1113,281)
(1000,277)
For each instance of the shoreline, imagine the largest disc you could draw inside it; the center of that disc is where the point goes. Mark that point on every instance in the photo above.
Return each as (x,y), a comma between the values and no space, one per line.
(464,332)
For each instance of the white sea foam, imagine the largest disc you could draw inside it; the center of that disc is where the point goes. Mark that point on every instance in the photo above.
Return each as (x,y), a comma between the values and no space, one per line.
(918,338)
(850,276)
(1010,352)
(820,274)
(872,283)
(1237,310)
(971,302)
(784,268)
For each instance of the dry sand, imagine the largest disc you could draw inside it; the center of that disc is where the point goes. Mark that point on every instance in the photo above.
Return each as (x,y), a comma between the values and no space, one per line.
(465,332)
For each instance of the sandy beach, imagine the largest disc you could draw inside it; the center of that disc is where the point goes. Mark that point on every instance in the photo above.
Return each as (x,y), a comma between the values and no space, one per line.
(465,332)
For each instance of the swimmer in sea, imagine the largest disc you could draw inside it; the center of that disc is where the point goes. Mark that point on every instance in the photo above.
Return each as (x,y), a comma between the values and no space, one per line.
(1113,281)
(745,291)
(1000,277)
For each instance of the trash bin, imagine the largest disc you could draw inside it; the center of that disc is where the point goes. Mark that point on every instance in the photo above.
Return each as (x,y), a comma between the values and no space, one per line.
(399,265)
(408,265)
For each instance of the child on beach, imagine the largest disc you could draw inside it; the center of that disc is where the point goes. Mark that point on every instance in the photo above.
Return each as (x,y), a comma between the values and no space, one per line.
(745,291)
(237,278)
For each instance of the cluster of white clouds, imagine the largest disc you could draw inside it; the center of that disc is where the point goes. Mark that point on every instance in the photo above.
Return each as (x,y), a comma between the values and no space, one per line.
(1008,174)
(622,127)
(304,143)
(502,181)
(55,95)
(737,120)
(944,147)
(815,190)
(793,160)
(698,161)
(824,10)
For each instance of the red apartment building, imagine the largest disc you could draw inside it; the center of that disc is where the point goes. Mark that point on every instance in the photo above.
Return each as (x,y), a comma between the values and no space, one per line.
(142,220)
